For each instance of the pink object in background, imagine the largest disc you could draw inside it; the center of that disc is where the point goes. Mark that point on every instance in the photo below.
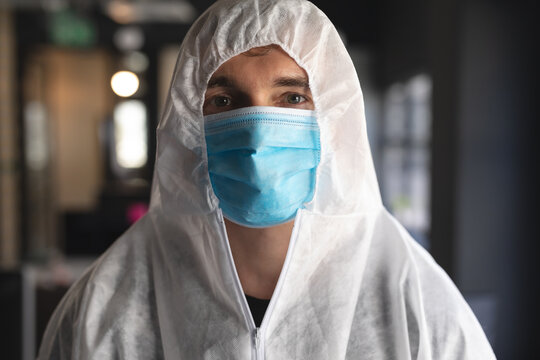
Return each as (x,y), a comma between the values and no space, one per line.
(136,211)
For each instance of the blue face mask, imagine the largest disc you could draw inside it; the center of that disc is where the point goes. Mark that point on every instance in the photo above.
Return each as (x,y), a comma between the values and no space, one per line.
(262,162)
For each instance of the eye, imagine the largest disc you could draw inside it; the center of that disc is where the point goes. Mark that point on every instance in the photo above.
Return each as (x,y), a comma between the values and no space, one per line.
(221,101)
(295,98)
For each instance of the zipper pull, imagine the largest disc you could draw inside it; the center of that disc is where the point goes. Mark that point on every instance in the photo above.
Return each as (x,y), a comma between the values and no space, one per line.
(257,338)
(220,217)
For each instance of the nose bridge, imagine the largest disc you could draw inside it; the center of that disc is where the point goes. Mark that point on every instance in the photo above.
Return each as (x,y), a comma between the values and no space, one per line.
(255,88)
(258,96)
(259,99)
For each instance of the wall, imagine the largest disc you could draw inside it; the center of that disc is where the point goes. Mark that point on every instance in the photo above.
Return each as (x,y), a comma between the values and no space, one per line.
(496,247)
(482,58)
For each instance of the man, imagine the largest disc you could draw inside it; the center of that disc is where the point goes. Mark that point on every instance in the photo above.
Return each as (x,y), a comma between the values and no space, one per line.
(266,236)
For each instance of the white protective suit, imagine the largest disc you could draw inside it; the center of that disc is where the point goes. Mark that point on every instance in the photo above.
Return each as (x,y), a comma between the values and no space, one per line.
(354,285)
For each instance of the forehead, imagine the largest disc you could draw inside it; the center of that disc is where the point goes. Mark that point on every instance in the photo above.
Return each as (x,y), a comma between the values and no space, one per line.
(260,63)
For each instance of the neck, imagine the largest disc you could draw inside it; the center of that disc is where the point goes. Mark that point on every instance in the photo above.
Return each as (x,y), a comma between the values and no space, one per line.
(259,255)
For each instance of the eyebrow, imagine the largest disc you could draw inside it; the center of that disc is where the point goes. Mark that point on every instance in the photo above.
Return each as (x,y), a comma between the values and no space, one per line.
(284,81)
(293,81)
(221,81)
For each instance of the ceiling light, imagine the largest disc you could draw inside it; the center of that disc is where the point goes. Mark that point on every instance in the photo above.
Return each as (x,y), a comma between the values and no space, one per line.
(125,83)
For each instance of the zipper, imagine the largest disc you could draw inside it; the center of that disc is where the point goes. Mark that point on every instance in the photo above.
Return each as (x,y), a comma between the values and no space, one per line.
(250,322)
(258,332)
(258,353)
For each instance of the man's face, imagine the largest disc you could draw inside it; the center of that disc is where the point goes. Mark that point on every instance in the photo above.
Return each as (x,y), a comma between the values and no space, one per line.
(260,77)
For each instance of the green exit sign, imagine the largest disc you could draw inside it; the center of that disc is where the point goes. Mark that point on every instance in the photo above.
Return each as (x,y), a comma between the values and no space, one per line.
(67,28)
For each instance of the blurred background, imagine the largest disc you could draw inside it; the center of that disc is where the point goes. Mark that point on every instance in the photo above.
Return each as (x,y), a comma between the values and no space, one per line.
(450,91)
